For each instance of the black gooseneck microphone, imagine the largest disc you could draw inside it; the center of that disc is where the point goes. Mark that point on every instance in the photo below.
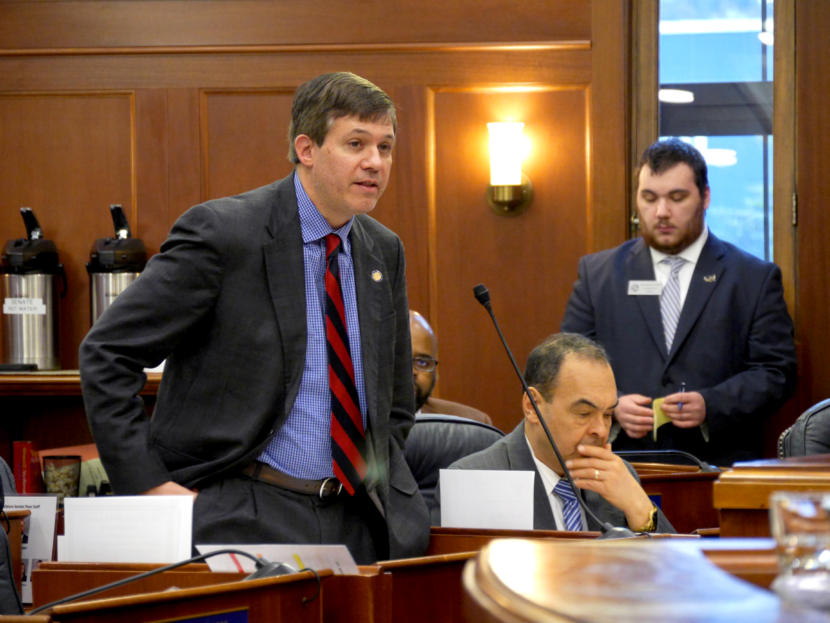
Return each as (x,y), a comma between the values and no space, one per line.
(482,295)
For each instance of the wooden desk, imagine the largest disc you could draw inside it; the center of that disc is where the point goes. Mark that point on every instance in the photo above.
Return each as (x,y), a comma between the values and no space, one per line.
(55,580)
(290,598)
(619,581)
(396,591)
(741,494)
(684,493)
(455,540)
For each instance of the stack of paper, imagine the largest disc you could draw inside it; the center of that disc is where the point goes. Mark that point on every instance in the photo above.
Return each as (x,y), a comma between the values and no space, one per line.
(143,528)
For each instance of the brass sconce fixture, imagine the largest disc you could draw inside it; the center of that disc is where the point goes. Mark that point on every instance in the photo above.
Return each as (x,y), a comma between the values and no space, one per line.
(510,191)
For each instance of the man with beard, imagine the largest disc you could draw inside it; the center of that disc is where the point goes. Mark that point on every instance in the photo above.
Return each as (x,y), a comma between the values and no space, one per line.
(425,374)
(687,317)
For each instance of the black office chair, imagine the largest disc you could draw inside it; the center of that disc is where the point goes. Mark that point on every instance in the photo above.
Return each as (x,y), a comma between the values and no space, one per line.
(435,441)
(809,434)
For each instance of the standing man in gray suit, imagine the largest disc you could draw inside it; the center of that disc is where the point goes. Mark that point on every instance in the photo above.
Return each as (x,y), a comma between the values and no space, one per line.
(573,385)
(688,318)
(282,315)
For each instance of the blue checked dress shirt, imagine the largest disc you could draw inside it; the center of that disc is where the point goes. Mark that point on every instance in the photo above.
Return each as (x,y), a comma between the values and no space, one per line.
(302,446)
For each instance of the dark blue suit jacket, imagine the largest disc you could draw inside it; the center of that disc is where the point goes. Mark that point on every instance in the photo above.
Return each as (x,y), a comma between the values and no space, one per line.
(733,344)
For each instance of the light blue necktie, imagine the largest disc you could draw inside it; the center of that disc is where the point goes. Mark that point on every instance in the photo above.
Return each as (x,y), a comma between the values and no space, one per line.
(670,299)
(570,507)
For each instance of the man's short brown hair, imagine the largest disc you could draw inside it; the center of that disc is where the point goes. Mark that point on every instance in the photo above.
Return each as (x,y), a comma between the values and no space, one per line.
(321,100)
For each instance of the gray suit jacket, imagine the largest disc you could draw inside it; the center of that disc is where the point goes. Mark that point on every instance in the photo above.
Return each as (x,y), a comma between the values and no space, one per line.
(224,303)
(511,453)
(733,344)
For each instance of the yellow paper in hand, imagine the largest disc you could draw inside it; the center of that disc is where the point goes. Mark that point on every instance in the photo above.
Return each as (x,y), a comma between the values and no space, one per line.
(660,418)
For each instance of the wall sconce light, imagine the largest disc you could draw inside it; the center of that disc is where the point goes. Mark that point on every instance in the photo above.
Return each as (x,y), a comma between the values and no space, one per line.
(510,191)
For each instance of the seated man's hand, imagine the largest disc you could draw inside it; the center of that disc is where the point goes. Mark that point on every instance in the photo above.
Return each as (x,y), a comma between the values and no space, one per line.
(686,409)
(635,415)
(602,471)
(170,488)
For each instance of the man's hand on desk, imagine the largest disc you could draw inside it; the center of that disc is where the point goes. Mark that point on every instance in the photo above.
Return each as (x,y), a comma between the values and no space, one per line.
(171,488)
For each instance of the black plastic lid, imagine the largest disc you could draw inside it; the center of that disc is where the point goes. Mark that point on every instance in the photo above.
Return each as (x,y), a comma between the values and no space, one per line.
(121,254)
(117,255)
(30,255)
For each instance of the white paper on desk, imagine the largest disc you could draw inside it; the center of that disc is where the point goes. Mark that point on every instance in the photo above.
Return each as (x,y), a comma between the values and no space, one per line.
(334,557)
(481,498)
(141,528)
(38,534)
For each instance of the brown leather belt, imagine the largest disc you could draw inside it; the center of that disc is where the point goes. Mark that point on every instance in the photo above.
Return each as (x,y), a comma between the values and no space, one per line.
(324,489)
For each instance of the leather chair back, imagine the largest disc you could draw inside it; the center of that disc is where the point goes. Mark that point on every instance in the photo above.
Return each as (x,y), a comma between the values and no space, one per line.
(435,441)
(809,434)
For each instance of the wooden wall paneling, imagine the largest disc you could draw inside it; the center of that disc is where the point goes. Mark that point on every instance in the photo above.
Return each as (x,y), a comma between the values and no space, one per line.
(525,261)
(813,184)
(148,218)
(407,205)
(270,67)
(207,77)
(784,231)
(89,24)
(68,156)
(184,187)
(244,139)
(607,212)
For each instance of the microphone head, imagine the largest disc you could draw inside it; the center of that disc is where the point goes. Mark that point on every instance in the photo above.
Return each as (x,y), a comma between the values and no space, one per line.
(482,294)
(270,569)
(615,532)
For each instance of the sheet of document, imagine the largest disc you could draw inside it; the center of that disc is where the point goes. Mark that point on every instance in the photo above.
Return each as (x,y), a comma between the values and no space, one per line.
(142,528)
(334,557)
(479,498)
(38,534)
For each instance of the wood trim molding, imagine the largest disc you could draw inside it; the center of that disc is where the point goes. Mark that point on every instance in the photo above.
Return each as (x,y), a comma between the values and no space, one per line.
(784,157)
(443,47)
(645,113)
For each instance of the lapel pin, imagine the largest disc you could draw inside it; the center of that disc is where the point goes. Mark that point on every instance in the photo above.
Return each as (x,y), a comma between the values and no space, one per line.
(377,276)
(710,278)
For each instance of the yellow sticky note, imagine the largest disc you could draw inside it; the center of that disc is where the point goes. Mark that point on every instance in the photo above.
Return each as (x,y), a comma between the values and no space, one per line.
(660,418)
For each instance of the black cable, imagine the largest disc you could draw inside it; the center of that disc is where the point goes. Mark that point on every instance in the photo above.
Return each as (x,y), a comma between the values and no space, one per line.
(306,600)
(660,453)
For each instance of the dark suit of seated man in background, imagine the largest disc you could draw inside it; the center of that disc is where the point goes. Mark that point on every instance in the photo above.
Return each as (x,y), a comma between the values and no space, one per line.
(687,317)
(573,385)
(282,314)
(425,373)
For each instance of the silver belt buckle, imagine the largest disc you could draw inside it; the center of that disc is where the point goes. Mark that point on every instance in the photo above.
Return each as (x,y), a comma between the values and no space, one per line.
(325,483)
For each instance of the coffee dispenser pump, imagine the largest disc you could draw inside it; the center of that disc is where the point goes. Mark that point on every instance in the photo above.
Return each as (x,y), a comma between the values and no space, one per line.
(114,264)
(30,315)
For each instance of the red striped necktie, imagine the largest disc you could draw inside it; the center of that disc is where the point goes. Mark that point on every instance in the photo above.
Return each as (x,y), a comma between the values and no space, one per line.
(348,440)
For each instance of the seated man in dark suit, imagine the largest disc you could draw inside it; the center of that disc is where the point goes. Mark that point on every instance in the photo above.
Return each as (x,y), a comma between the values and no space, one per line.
(425,373)
(573,385)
